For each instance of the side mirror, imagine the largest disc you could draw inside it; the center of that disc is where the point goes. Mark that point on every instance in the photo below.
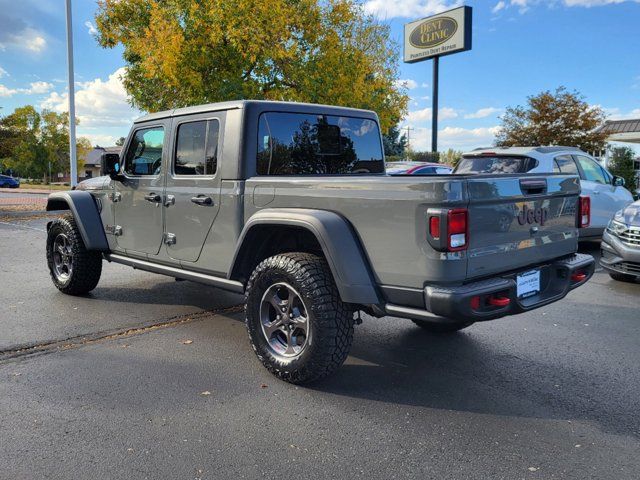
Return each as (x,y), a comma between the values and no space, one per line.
(110,165)
(617,181)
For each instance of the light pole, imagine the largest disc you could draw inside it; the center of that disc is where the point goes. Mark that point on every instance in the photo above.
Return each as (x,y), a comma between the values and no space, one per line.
(73,175)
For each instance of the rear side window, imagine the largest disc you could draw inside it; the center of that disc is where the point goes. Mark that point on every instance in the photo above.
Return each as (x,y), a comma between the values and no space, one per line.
(144,155)
(309,144)
(197,148)
(567,165)
(495,164)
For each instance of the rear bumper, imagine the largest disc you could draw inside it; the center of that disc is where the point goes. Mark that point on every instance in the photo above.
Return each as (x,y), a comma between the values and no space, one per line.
(619,257)
(447,303)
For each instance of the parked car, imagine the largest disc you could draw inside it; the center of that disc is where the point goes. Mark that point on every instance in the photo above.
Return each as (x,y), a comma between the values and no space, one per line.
(417,168)
(289,204)
(606,191)
(621,245)
(9,182)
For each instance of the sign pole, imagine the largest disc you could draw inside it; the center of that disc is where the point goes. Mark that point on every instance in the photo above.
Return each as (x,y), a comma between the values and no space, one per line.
(434,37)
(434,109)
(73,175)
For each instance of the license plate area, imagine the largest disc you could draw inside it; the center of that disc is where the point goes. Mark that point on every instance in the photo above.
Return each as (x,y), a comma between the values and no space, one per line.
(528,283)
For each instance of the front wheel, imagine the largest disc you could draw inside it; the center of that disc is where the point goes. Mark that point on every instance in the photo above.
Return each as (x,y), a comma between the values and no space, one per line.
(442,327)
(298,326)
(74,269)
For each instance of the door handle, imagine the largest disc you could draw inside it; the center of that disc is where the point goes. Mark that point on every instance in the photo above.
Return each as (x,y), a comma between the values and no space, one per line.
(153,197)
(202,200)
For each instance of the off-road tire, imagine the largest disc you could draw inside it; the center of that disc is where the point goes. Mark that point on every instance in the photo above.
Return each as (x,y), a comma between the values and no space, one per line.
(449,327)
(623,277)
(86,265)
(330,320)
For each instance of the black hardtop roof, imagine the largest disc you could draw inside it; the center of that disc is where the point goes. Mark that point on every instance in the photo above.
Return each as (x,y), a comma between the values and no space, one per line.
(260,105)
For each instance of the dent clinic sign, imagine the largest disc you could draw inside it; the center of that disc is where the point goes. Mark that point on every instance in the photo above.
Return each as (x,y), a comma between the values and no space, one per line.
(443,34)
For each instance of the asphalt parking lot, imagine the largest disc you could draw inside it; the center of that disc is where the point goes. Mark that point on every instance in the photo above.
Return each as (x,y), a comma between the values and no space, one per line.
(151,378)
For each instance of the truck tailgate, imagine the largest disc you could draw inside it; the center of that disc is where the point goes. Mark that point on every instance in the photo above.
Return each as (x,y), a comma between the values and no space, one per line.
(519,220)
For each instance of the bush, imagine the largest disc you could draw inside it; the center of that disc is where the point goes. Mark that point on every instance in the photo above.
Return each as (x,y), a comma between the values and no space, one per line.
(621,165)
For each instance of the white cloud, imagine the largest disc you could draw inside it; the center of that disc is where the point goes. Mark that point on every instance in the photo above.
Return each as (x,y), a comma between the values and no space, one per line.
(498,6)
(34,42)
(99,104)
(483,112)
(408,84)
(27,38)
(102,139)
(7,92)
(424,114)
(3,73)
(617,114)
(454,137)
(91,29)
(408,8)
(36,88)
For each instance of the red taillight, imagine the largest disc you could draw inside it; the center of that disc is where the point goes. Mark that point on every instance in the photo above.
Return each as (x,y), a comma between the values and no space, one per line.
(457,231)
(497,301)
(578,276)
(584,211)
(434,227)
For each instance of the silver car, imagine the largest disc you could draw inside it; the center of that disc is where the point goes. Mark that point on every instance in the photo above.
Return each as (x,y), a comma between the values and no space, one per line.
(606,191)
(621,245)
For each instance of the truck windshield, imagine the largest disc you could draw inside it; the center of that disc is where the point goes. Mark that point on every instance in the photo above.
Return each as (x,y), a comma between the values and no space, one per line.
(317,144)
(495,164)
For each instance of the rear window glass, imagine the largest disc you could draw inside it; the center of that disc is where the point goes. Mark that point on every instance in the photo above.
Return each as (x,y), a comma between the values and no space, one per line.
(495,164)
(309,144)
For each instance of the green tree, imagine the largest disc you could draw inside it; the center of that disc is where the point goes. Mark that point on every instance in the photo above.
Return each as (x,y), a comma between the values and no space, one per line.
(120,142)
(451,157)
(394,144)
(620,163)
(184,52)
(553,118)
(34,140)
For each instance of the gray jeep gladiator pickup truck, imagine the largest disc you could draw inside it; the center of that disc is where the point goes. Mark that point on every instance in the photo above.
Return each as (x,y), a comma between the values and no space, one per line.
(290,204)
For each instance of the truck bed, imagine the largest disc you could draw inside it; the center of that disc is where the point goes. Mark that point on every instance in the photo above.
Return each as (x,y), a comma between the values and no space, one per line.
(389,216)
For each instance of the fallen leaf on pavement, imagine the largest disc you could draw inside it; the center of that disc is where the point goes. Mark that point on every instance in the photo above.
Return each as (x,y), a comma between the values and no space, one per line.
(264,385)
(206,392)
(533,469)
(187,342)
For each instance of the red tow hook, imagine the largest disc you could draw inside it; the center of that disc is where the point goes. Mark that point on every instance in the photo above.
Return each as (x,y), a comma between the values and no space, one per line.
(578,276)
(499,301)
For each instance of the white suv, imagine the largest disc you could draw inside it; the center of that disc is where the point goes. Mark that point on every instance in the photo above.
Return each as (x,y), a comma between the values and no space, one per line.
(606,191)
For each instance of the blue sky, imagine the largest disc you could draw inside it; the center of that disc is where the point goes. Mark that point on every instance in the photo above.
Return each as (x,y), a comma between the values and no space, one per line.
(520,47)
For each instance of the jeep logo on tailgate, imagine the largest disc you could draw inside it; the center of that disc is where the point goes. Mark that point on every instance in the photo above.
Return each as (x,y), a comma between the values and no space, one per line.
(537,215)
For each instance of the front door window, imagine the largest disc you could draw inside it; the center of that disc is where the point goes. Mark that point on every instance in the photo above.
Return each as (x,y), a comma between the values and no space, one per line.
(144,156)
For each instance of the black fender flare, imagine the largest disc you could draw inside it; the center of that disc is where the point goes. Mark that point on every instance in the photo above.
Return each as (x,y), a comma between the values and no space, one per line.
(341,248)
(86,214)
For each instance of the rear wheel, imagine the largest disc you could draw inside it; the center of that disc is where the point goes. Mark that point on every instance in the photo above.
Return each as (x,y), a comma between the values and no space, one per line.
(441,327)
(74,270)
(298,326)
(622,277)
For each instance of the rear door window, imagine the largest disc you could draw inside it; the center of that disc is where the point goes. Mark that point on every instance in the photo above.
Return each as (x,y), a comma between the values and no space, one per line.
(495,164)
(197,148)
(317,144)
(567,165)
